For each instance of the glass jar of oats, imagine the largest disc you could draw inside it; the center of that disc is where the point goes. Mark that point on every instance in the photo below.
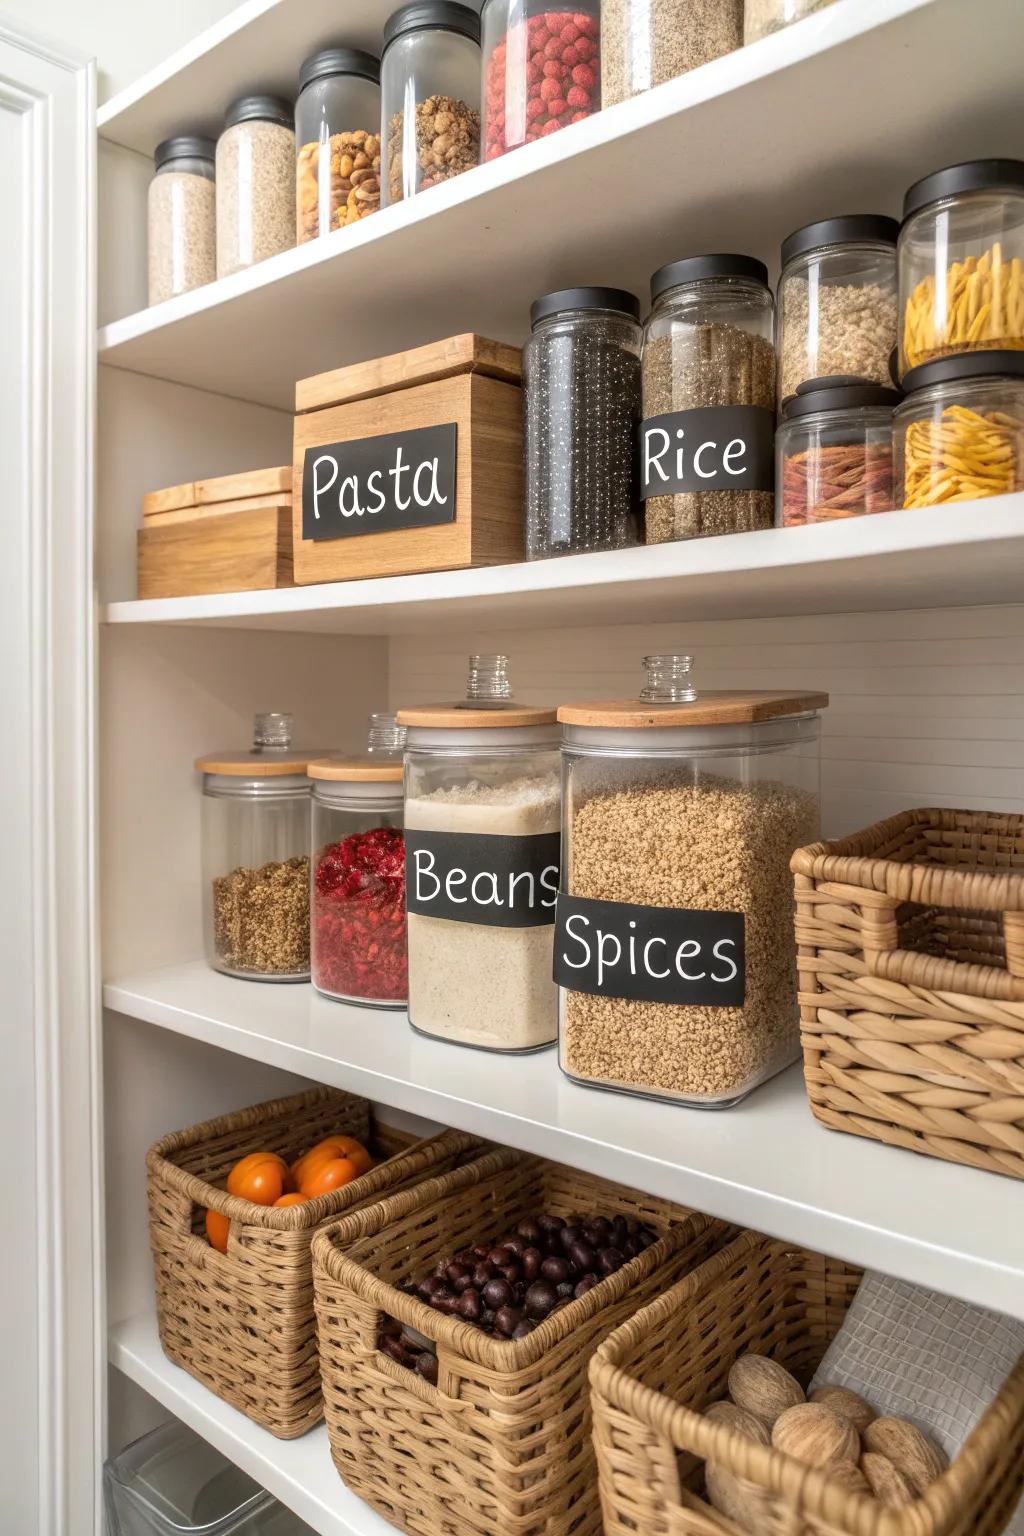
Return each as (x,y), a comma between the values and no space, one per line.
(337,137)
(482,828)
(674,949)
(182,217)
(255,183)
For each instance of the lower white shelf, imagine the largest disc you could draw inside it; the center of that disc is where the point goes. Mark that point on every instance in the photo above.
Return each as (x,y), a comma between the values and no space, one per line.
(298,1472)
(766,1164)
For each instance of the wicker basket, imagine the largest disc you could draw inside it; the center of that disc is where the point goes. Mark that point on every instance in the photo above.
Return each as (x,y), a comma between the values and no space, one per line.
(911,955)
(501,1446)
(652,1379)
(242,1322)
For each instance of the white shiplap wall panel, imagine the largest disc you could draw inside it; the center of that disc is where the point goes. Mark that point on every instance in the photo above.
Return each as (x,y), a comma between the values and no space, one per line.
(927,705)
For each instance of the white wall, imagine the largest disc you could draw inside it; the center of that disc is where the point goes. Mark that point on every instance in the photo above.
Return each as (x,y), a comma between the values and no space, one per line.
(124,37)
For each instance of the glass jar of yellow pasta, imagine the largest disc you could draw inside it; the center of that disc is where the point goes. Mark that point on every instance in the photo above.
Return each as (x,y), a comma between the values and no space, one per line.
(959,433)
(961,262)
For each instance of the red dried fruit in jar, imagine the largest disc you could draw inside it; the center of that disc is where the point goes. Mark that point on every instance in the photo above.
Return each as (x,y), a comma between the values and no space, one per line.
(357,921)
(524,59)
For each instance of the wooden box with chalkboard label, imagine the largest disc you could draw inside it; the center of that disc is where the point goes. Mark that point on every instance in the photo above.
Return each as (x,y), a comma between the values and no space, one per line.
(232,534)
(412,462)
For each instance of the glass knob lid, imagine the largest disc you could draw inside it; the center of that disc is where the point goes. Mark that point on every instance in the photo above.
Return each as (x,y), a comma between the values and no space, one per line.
(669,680)
(273,731)
(488,679)
(386,737)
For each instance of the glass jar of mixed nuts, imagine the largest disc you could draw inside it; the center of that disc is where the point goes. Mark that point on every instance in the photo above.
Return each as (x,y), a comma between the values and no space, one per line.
(674,948)
(256,856)
(959,434)
(834,452)
(182,217)
(708,381)
(430,92)
(337,133)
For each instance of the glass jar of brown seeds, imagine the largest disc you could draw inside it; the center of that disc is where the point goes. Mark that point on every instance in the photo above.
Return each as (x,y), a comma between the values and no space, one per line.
(430,97)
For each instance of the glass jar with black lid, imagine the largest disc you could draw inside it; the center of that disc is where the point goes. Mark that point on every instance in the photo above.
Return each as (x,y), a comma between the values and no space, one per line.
(708,384)
(182,217)
(255,183)
(581,407)
(834,452)
(430,96)
(337,135)
(958,436)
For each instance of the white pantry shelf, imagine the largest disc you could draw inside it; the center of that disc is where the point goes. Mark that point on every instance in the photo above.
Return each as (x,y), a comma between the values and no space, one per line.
(835,114)
(298,1472)
(766,1164)
(968,554)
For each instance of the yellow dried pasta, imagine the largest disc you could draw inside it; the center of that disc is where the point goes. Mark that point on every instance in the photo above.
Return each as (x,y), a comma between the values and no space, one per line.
(982,308)
(961,455)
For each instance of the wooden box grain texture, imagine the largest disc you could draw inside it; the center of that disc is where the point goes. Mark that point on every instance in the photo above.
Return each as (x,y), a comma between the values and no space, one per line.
(248,551)
(465,380)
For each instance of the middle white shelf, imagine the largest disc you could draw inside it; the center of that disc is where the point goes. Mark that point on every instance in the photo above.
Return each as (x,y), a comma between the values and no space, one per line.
(766,1164)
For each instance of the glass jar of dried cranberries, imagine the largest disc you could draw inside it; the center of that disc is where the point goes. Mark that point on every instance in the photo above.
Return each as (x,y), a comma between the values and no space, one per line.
(357,886)
(541,70)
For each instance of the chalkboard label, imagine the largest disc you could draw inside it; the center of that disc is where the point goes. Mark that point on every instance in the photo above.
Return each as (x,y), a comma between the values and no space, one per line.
(379,484)
(653,954)
(505,882)
(716,448)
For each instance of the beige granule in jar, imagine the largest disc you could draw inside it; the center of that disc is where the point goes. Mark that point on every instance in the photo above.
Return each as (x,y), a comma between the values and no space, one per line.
(717,846)
(480,984)
(852,333)
(255,194)
(182,234)
(261,919)
(643,46)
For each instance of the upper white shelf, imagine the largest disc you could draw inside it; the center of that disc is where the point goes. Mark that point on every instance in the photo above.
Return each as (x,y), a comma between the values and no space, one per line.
(838,113)
(964,555)
(766,1164)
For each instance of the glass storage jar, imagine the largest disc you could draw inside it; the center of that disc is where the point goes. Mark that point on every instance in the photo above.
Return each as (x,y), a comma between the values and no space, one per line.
(256,856)
(482,853)
(337,136)
(430,96)
(541,70)
(763,17)
(959,434)
(357,893)
(961,247)
(645,42)
(255,183)
(674,948)
(708,382)
(833,452)
(182,217)
(837,301)
(581,407)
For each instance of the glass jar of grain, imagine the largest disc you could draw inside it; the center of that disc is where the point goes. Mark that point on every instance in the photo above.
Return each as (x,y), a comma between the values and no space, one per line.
(182,217)
(674,948)
(256,856)
(708,381)
(337,134)
(482,856)
(430,96)
(255,183)
(645,42)
(763,17)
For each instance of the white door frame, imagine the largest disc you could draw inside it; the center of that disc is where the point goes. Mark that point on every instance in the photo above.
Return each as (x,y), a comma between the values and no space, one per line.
(49,1019)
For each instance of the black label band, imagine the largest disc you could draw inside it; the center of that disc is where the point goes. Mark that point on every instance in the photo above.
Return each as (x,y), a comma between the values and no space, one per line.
(653,954)
(715,448)
(379,484)
(504,882)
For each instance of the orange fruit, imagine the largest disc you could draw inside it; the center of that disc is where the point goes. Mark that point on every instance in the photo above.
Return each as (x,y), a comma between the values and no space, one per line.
(325,1176)
(291,1199)
(324,1151)
(260,1177)
(217,1228)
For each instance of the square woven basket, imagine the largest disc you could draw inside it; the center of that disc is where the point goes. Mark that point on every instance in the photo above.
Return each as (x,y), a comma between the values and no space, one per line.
(242,1322)
(501,1445)
(911,958)
(654,1377)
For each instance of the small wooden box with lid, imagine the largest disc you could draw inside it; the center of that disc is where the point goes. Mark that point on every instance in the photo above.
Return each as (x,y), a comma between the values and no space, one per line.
(409,463)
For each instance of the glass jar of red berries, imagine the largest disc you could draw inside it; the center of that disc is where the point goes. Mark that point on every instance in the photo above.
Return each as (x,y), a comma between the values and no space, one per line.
(542,70)
(357,887)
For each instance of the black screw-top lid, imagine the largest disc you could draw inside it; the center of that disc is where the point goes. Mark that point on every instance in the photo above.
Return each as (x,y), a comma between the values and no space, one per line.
(442,15)
(966,365)
(838,393)
(616,299)
(692,269)
(184,146)
(339,61)
(262,109)
(971,176)
(850,229)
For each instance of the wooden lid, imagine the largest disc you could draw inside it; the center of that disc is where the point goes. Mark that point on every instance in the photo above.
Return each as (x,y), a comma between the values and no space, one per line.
(725,707)
(254,765)
(202,493)
(465,717)
(363,770)
(419,365)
